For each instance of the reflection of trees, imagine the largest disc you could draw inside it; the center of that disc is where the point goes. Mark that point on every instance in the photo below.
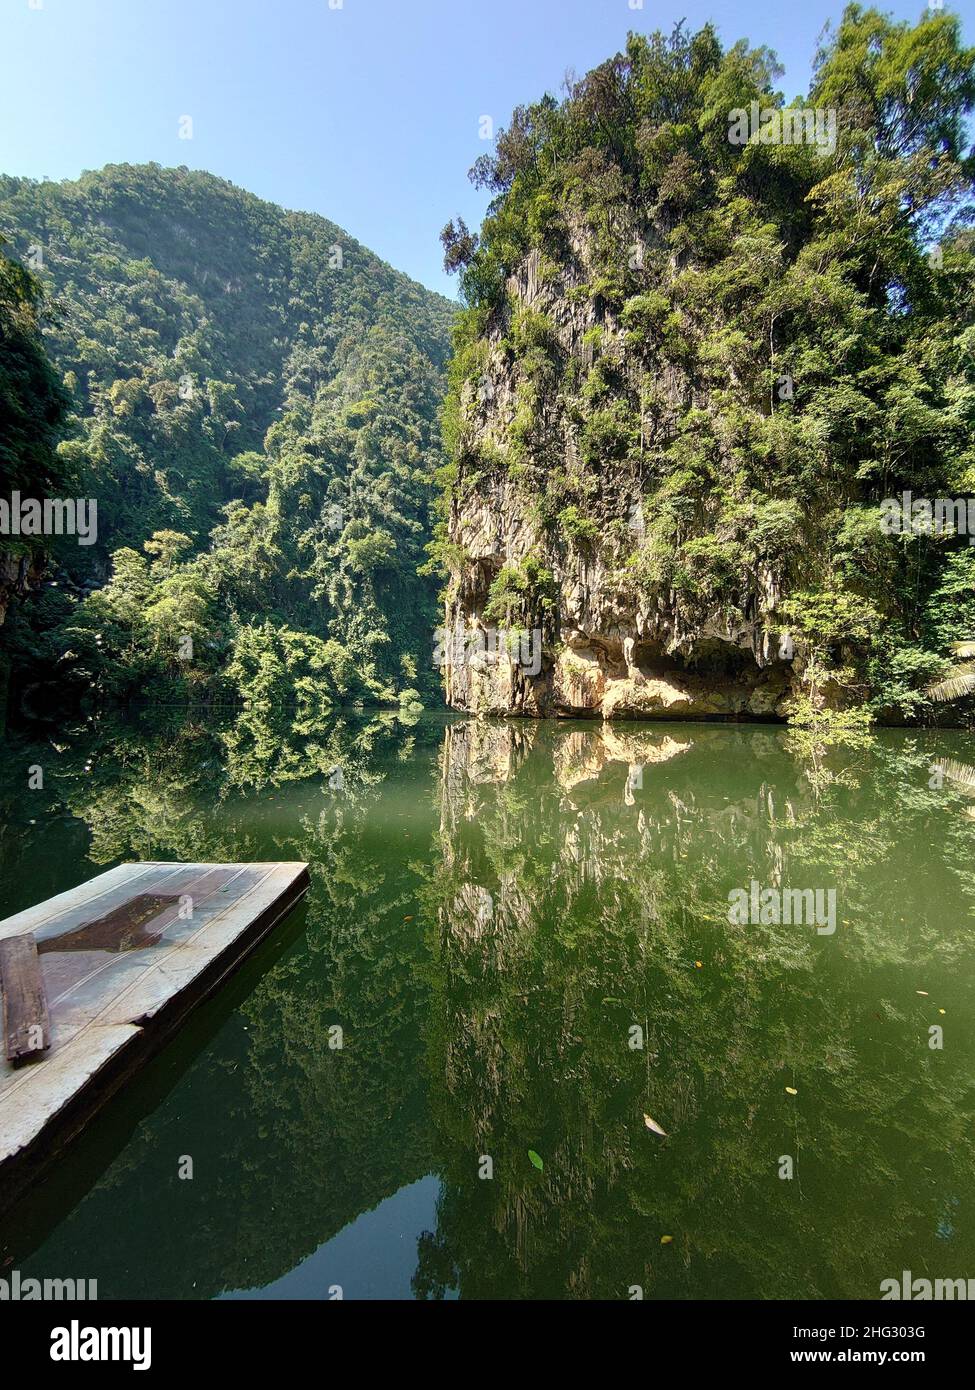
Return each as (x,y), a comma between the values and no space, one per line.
(291,1138)
(574,904)
(487,991)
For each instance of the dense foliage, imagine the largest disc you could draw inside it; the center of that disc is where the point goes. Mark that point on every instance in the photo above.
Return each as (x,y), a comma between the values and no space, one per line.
(783,335)
(33,409)
(255,398)
(32,402)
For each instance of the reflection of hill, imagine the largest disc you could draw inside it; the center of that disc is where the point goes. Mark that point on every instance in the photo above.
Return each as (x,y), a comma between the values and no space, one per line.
(290,1138)
(289,1143)
(494,907)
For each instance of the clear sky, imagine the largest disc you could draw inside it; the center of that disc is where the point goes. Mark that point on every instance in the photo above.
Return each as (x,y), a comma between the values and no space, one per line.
(366,110)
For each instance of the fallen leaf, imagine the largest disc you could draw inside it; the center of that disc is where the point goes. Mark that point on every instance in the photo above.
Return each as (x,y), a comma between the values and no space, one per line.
(792,1090)
(666,1240)
(652,1124)
(535,1159)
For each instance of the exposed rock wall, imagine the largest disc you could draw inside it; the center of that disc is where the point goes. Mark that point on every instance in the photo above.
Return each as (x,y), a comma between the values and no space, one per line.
(610,647)
(18,575)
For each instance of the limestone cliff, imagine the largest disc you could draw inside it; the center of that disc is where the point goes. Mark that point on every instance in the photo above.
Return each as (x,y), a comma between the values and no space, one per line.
(611,645)
(689,373)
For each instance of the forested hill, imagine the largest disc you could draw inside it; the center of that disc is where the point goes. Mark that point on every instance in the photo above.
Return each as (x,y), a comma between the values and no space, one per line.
(254,400)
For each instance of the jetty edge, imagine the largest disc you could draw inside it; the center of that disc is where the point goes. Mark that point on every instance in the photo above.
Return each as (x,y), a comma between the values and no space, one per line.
(121,961)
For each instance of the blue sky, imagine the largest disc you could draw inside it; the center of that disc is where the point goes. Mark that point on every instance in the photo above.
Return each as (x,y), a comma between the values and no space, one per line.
(366,111)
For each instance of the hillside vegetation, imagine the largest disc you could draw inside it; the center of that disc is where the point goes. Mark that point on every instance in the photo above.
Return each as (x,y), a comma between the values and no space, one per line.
(254,403)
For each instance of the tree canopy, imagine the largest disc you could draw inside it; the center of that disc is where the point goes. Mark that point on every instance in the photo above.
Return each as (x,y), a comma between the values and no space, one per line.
(254,405)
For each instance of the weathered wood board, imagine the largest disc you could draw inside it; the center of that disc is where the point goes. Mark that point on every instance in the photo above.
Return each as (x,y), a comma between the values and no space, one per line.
(25,1020)
(123,959)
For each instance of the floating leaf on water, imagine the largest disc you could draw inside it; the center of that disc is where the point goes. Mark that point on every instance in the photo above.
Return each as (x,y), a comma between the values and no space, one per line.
(792,1090)
(536,1159)
(652,1124)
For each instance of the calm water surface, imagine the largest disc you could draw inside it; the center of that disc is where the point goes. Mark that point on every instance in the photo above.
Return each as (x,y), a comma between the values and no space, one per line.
(499,914)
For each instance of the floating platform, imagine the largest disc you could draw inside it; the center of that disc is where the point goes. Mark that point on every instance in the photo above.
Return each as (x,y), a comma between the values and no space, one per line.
(96,979)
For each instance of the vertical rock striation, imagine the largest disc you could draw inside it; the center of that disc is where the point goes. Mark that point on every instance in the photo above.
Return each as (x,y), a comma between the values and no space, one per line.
(609,648)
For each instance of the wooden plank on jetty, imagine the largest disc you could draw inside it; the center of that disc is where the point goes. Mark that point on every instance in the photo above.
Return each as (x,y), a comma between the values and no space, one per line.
(25,1022)
(121,961)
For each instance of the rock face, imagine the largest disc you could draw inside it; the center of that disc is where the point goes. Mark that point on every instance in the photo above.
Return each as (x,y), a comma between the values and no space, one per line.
(18,575)
(609,646)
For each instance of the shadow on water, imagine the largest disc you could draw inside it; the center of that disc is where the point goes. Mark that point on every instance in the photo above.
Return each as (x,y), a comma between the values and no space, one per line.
(515,948)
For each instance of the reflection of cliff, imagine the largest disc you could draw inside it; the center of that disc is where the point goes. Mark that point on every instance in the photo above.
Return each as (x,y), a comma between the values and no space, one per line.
(585,875)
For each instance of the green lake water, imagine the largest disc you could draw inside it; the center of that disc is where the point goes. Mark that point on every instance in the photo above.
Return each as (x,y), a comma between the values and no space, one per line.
(499,915)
